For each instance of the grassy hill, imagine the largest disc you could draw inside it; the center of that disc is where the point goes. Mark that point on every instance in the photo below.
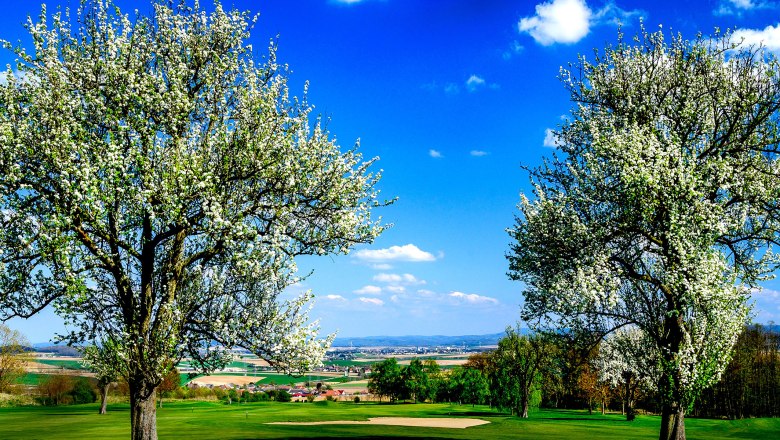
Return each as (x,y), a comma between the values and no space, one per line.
(210,420)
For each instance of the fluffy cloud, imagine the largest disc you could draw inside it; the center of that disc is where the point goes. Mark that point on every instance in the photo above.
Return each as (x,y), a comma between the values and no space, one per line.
(474,82)
(569,21)
(559,21)
(381,266)
(473,298)
(369,290)
(478,153)
(372,301)
(394,278)
(738,7)
(769,37)
(407,252)
(436,154)
(550,140)
(335,298)
(396,289)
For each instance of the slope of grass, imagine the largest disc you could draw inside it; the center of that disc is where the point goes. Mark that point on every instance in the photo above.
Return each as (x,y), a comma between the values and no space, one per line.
(210,420)
(69,364)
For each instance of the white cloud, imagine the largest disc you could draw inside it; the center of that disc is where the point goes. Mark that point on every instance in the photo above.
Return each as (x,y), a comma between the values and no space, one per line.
(550,140)
(569,21)
(347,2)
(614,15)
(514,49)
(335,298)
(369,290)
(436,154)
(559,21)
(451,89)
(769,37)
(473,298)
(478,153)
(474,82)
(394,278)
(381,266)
(373,301)
(407,252)
(396,289)
(426,293)
(738,7)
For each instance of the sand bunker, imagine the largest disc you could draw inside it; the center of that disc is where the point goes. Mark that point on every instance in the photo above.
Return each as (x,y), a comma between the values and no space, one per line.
(423,422)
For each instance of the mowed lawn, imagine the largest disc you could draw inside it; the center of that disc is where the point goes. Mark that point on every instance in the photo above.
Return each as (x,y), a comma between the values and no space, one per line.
(211,420)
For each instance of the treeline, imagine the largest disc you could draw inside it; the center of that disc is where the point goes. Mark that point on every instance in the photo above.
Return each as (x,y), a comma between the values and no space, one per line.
(750,386)
(562,371)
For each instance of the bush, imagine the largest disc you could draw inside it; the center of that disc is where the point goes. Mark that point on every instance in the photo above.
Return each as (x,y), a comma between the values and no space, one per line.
(82,391)
(356,399)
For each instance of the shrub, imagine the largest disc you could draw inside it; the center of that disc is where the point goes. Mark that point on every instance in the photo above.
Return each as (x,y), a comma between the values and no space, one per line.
(356,399)
(82,391)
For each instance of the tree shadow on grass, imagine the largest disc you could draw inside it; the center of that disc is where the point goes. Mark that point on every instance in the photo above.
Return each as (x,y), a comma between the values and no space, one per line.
(369,437)
(478,414)
(65,414)
(587,419)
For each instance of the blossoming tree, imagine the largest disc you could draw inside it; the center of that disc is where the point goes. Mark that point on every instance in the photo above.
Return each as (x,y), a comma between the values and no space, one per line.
(157,183)
(662,209)
(627,359)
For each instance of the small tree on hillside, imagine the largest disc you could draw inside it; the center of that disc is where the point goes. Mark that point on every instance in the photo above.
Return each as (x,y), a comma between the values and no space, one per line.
(519,361)
(13,357)
(386,380)
(416,380)
(104,360)
(468,385)
(157,183)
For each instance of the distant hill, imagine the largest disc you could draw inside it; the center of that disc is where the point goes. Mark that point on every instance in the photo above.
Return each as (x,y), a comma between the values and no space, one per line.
(419,341)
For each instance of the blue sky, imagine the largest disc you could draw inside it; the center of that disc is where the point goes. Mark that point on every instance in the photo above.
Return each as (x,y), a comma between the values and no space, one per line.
(453,96)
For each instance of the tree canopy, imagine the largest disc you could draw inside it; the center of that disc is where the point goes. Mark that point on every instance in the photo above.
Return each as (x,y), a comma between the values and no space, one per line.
(157,182)
(661,209)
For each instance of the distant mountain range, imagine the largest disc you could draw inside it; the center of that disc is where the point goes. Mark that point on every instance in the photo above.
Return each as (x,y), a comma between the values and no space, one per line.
(419,341)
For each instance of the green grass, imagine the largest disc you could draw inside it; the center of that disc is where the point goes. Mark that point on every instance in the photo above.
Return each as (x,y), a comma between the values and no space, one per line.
(32,378)
(268,378)
(210,420)
(64,363)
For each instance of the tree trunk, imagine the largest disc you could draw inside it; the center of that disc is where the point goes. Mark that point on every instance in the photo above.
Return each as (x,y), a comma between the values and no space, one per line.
(628,399)
(672,423)
(143,415)
(524,404)
(104,397)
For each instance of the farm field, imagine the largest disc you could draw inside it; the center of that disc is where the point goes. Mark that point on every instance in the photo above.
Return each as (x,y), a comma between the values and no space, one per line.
(211,420)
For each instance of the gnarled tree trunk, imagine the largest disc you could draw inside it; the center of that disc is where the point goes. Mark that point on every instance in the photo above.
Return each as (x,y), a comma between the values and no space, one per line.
(672,423)
(143,413)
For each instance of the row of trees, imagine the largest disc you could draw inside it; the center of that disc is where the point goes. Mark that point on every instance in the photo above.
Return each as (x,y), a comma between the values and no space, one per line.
(620,372)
